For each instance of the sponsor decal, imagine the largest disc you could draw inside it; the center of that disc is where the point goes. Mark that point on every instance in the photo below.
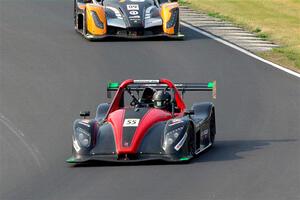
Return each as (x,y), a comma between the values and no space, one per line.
(134,17)
(135,21)
(133,12)
(131,122)
(146,81)
(175,121)
(138,1)
(132,7)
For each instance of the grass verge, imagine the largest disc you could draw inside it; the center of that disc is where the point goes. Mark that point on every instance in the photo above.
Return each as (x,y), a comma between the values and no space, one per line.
(274,20)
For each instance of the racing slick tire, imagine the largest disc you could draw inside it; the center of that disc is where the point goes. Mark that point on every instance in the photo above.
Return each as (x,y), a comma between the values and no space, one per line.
(212,127)
(192,141)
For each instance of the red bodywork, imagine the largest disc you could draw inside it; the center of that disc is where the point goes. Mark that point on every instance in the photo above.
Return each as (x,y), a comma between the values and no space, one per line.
(116,115)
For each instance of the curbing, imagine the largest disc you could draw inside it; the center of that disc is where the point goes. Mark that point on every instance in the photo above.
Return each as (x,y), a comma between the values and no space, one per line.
(225,30)
(234,46)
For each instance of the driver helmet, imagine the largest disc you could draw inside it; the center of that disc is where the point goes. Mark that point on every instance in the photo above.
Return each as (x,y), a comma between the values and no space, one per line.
(161,99)
(147,95)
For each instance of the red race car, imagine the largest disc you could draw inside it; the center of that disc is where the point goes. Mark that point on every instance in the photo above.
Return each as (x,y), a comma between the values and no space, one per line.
(146,120)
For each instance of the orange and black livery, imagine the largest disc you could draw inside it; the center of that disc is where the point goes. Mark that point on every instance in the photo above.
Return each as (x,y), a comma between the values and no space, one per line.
(133,19)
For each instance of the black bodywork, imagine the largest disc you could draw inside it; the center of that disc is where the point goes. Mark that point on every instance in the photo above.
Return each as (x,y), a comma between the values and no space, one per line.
(176,139)
(147,23)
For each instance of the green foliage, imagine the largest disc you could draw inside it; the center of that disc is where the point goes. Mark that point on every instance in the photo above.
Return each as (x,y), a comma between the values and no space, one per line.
(219,16)
(257,30)
(274,20)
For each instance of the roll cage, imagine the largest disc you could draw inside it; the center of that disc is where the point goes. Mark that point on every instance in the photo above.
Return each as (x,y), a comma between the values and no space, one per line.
(177,102)
(138,85)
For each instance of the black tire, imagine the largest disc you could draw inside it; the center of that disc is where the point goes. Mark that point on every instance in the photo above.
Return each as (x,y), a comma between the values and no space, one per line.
(177,26)
(212,127)
(74,12)
(192,143)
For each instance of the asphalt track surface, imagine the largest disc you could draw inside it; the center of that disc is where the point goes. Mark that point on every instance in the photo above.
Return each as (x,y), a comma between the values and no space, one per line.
(49,73)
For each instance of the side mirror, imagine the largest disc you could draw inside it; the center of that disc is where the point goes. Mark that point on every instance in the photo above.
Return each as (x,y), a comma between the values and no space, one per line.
(189,112)
(84,114)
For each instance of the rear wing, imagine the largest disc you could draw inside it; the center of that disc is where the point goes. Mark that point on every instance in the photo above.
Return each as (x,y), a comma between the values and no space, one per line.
(139,85)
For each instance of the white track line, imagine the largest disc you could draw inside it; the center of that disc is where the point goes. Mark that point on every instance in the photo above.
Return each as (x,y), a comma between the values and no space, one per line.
(20,135)
(240,49)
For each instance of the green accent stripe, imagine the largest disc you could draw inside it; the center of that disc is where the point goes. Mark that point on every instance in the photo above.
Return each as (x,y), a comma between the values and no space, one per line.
(210,84)
(71,160)
(113,85)
(184,158)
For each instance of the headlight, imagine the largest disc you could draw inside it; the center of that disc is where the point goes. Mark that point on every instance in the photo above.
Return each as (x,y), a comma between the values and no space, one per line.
(173,19)
(97,21)
(171,136)
(82,137)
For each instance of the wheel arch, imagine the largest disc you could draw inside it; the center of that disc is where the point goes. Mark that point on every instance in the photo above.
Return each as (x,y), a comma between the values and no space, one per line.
(203,110)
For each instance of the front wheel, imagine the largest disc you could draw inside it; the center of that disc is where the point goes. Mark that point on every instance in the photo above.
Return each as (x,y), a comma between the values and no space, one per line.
(212,128)
(74,12)
(192,143)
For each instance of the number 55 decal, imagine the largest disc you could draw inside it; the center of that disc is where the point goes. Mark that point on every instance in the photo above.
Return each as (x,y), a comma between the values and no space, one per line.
(131,122)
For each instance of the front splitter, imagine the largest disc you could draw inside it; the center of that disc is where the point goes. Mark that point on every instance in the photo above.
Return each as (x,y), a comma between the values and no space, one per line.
(132,37)
(114,158)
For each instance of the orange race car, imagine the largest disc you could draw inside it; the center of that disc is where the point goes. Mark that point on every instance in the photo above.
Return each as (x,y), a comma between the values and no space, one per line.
(134,19)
